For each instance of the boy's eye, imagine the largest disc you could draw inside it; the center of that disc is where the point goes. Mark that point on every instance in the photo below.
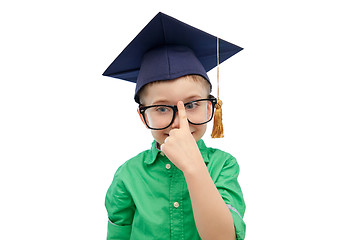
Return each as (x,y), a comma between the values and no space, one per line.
(162,109)
(191,106)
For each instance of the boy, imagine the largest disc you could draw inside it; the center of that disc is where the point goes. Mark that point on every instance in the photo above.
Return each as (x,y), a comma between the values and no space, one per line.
(179,189)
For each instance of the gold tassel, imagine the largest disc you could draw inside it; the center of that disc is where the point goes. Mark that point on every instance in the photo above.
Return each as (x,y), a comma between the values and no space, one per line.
(218,126)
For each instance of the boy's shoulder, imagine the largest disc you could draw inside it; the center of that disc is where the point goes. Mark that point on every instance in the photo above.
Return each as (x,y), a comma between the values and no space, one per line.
(138,161)
(220,162)
(214,153)
(217,151)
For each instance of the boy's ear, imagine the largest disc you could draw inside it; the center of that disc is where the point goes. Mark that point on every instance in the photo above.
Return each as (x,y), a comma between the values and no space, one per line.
(141,116)
(209,110)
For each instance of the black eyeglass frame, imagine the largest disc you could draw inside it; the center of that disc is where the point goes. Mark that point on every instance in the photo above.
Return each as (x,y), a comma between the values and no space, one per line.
(142,109)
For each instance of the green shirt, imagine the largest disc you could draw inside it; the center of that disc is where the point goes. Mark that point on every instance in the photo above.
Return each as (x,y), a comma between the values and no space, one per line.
(149,198)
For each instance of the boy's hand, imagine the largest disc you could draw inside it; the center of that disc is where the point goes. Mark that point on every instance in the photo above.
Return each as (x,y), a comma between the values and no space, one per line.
(180,146)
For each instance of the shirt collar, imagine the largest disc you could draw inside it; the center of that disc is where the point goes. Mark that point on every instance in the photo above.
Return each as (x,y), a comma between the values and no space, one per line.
(155,151)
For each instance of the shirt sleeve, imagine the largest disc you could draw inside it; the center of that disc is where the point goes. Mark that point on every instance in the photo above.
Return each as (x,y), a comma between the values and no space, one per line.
(229,189)
(120,208)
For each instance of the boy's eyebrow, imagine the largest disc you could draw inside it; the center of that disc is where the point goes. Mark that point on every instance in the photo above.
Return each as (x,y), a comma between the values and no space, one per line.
(166,102)
(160,101)
(192,98)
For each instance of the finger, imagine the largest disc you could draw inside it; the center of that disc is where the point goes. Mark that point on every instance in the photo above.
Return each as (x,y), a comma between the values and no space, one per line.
(183,123)
(173,132)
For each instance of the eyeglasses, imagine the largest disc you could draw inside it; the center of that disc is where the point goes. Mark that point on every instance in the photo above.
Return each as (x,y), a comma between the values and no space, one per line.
(158,117)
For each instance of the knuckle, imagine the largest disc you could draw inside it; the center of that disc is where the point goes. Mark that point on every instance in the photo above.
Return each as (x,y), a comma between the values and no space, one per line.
(172,132)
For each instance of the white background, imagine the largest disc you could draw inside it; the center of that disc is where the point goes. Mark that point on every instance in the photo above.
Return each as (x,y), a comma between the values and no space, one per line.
(65,128)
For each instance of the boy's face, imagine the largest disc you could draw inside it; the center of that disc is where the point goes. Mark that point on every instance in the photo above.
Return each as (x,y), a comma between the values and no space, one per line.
(169,93)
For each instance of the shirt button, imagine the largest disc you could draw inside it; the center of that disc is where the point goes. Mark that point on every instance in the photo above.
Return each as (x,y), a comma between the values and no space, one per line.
(176,204)
(168,166)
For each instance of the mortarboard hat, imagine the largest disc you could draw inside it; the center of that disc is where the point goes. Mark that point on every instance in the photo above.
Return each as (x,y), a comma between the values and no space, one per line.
(166,49)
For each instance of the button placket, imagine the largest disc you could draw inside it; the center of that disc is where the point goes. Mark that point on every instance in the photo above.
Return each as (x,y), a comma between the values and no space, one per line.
(175,202)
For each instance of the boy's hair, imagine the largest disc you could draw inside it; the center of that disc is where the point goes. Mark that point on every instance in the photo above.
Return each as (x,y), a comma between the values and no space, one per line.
(196,78)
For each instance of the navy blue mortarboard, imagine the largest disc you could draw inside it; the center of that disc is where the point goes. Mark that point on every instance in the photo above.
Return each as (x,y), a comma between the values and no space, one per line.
(166,49)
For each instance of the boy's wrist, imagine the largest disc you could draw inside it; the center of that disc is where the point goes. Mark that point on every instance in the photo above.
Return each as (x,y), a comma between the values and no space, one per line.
(195,168)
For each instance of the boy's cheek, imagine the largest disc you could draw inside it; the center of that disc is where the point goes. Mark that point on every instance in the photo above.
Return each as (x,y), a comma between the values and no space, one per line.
(159,136)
